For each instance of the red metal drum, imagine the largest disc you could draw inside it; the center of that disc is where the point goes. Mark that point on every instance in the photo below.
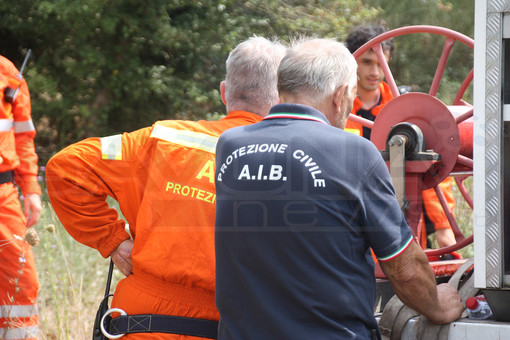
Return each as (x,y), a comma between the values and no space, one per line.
(438,125)
(447,130)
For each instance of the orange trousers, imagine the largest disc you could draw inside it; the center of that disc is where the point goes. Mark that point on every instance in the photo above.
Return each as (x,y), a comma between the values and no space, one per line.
(18,276)
(140,294)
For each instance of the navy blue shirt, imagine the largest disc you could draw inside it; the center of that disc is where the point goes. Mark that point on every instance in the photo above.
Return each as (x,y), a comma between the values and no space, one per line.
(299,204)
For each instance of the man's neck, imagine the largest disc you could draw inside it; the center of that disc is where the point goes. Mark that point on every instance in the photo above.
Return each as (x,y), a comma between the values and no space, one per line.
(368,98)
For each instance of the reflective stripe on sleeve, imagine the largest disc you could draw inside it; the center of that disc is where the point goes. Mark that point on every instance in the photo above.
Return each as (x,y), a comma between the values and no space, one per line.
(23,126)
(19,333)
(18,311)
(398,252)
(190,139)
(5,124)
(111,147)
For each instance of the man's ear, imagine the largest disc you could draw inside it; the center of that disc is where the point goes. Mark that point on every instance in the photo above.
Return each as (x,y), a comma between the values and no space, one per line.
(338,96)
(222,92)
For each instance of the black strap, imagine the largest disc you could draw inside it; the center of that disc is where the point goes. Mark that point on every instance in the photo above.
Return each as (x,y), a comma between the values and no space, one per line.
(103,307)
(6,177)
(154,323)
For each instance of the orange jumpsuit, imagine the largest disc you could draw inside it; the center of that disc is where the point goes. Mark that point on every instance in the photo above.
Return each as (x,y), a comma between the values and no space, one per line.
(431,202)
(386,96)
(163,178)
(18,276)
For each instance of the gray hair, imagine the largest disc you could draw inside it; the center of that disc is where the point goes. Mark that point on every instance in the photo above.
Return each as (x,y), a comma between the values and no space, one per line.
(315,68)
(251,75)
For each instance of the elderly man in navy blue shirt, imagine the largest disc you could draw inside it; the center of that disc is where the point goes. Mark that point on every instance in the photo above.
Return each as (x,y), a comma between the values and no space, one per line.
(300,203)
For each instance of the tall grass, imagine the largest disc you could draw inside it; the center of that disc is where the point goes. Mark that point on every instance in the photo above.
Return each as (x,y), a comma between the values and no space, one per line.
(72,282)
(73,276)
(464,216)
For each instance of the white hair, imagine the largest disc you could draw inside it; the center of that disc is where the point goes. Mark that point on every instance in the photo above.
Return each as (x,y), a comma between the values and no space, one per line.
(250,83)
(315,68)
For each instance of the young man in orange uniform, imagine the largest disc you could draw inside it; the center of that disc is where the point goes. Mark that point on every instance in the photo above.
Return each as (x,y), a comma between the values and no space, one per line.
(18,164)
(372,94)
(163,178)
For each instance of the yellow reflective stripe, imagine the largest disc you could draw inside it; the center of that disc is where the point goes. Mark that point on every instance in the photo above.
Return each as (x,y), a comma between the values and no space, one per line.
(19,333)
(17,311)
(5,124)
(23,126)
(190,139)
(355,131)
(111,147)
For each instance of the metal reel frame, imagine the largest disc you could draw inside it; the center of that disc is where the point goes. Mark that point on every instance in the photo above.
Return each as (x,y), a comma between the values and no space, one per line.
(462,161)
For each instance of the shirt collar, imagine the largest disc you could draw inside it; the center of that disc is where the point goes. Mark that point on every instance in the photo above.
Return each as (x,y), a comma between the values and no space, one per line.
(296,111)
(250,116)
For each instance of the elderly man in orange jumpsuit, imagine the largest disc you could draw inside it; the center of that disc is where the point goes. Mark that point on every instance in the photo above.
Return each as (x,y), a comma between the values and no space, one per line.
(372,94)
(18,168)
(163,178)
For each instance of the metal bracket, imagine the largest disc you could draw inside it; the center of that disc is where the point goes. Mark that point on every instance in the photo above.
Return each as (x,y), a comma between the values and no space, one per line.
(397,168)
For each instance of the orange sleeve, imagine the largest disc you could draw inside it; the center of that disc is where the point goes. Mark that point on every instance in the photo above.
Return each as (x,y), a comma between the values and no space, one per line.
(25,174)
(433,206)
(79,179)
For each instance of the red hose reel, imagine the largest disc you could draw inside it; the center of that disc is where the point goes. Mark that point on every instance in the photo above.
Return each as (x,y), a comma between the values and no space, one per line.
(444,133)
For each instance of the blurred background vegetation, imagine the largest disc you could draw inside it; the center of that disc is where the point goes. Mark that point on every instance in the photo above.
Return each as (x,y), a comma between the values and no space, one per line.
(100,67)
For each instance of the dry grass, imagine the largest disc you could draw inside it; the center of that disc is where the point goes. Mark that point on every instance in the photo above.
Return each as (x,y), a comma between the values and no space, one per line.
(72,278)
(464,216)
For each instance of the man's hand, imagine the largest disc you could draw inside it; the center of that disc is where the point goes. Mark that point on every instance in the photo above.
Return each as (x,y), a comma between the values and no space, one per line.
(121,257)
(445,237)
(33,209)
(413,281)
(450,303)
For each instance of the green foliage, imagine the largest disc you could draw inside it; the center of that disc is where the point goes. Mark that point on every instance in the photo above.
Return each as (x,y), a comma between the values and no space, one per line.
(101,67)
(417,55)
